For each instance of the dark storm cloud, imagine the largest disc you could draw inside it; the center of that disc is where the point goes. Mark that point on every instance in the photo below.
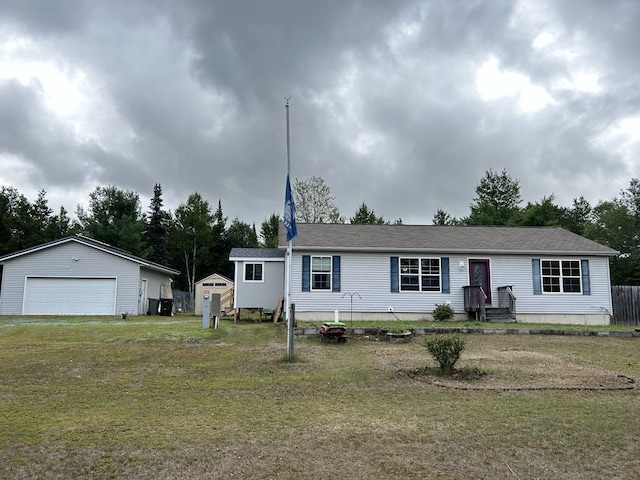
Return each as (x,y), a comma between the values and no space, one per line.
(385,105)
(47,149)
(45,17)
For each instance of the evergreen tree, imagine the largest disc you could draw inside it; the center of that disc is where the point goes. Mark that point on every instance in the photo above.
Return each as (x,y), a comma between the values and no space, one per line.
(441,217)
(155,235)
(578,217)
(219,249)
(269,231)
(61,225)
(241,235)
(24,224)
(40,222)
(365,215)
(12,205)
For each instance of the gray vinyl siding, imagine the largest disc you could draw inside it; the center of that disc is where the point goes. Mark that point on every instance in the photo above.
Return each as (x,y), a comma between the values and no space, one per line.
(518,270)
(368,274)
(57,261)
(263,294)
(154,280)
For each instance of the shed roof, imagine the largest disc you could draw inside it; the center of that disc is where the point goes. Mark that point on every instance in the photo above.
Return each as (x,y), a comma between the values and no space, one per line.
(257,253)
(90,242)
(432,238)
(215,275)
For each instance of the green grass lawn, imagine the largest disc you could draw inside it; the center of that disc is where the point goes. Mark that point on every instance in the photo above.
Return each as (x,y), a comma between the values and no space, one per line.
(160,397)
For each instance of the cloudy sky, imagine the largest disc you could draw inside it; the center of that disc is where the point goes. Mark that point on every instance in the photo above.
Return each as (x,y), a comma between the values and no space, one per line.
(401,104)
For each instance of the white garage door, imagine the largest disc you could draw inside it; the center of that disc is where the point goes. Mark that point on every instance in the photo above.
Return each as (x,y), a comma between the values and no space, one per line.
(70,296)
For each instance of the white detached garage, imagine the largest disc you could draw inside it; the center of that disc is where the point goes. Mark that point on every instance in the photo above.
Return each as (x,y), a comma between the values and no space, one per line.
(78,276)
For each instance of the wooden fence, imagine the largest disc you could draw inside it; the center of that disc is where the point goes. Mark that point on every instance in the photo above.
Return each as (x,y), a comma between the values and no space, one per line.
(626,305)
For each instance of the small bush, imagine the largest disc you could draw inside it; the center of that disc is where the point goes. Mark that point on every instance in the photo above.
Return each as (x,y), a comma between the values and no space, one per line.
(443,312)
(446,350)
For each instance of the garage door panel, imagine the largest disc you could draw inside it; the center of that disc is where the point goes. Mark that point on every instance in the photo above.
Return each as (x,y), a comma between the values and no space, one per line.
(70,296)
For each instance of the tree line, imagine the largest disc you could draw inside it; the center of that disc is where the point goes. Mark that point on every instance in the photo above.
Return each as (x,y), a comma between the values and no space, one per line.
(197,238)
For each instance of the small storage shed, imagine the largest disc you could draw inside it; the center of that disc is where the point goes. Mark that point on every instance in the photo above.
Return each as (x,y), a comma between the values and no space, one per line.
(259,277)
(77,275)
(214,283)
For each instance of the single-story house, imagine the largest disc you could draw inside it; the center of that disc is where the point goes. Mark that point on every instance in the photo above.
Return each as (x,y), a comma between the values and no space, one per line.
(531,274)
(214,284)
(259,277)
(77,275)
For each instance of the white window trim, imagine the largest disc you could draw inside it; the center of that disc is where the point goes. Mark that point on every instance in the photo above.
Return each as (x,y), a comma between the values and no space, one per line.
(561,292)
(330,273)
(420,275)
(244,272)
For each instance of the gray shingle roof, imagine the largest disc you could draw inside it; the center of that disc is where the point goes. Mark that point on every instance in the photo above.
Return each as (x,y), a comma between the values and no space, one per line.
(488,239)
(255,253)
(95,244)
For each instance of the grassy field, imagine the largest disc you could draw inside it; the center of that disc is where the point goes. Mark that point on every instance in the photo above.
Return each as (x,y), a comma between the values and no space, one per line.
(158,397)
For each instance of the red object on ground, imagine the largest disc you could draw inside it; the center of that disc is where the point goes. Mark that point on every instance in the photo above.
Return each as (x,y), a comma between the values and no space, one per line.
(334,333)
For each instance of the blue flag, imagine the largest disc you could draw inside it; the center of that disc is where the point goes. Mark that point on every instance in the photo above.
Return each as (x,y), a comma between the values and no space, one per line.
(289,219)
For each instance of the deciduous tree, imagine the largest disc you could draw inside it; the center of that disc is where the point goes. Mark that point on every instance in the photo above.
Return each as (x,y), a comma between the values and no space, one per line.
(191,237)
(114,216)
(497,200)
(314,202)
(539,214)
(617,224)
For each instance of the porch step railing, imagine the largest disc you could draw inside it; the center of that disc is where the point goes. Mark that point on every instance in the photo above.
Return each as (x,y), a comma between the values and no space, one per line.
(507,300)
(475,301)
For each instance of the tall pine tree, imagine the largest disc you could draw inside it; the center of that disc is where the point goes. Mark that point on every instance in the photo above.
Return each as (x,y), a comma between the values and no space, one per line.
(155,235)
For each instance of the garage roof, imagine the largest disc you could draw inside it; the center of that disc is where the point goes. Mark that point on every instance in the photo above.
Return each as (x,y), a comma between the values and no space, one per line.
(90,242)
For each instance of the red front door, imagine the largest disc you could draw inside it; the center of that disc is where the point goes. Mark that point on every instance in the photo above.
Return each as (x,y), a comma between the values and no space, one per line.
(479,275)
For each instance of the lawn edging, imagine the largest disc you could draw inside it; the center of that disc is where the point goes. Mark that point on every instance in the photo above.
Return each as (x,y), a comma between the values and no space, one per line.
(383,333)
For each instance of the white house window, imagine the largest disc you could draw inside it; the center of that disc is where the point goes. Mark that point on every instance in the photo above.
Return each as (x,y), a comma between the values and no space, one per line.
(253,272)
(419,274)
(320,273)
(561,276)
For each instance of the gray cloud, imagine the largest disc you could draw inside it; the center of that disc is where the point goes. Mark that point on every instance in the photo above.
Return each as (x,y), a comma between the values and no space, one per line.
(385,104)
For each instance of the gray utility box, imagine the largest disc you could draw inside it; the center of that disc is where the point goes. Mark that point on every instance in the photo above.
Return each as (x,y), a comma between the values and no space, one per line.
(210,309)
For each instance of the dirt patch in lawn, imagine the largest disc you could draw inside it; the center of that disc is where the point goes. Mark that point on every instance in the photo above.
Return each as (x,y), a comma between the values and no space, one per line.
(508,369)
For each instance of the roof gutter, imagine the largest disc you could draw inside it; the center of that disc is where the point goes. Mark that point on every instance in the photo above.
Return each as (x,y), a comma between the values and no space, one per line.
(593,253)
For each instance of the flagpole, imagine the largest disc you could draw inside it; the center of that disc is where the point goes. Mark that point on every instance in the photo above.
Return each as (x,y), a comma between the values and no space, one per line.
(290,332)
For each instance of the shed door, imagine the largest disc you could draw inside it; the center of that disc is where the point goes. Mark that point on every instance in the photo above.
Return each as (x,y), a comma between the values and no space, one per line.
(69,296)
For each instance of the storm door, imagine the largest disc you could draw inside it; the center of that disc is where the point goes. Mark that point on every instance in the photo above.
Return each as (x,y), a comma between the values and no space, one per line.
(480,275)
